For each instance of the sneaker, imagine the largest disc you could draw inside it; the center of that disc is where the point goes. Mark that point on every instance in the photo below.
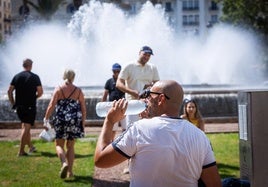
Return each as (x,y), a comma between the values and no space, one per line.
(126,171)
(32,150)
(63,170)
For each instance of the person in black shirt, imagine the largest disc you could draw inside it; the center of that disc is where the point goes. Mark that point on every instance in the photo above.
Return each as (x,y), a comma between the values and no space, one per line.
(112,93)
(28,88)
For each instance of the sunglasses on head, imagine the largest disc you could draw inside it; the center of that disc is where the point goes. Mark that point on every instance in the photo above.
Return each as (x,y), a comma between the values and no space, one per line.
(146,93)
(186,101)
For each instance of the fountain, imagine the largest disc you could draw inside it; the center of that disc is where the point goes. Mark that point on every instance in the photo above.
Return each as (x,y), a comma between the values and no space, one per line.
(211,69)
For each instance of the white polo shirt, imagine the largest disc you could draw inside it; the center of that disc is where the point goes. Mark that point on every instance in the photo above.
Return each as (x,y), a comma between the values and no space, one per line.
(137,76)
(165,152)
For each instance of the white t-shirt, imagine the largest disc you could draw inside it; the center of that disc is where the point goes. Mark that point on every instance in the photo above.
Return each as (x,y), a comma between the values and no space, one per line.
(165,152)
(137,76)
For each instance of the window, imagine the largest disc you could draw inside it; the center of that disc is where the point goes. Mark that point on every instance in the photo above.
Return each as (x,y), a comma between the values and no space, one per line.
(214,19)
(214,6)
(190,5)
(196,19)
(168,7)
(190,20)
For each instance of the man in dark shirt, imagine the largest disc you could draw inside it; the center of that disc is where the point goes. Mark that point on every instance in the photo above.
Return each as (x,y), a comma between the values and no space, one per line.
(28,88)
(114,93)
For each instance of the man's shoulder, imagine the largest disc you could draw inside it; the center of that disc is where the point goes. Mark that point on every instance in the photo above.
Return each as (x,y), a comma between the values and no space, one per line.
(34,74)
(132,63)
(25,73)
(19,74)
(109,80)
(150,65)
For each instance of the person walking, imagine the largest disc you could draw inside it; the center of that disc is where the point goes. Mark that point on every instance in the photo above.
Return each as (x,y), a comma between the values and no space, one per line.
(164,150)
(69,122)
(112,93)
(28,88)
(136,77)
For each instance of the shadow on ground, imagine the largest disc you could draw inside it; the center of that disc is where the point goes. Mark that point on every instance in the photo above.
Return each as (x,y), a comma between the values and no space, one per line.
(104,183)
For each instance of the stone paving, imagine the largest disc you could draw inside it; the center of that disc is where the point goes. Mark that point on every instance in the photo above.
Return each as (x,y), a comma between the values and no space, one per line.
(12,132)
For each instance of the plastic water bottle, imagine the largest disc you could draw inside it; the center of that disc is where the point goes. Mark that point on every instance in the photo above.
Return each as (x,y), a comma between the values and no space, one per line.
(133,107)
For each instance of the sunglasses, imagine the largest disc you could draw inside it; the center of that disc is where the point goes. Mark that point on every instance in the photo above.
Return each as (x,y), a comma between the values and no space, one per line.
(186,101)
(146,93)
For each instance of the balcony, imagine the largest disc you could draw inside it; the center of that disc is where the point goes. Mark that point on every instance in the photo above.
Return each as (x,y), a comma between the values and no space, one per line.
(190,8)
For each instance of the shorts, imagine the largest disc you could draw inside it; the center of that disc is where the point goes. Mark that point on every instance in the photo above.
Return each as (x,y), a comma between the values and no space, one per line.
(26,114)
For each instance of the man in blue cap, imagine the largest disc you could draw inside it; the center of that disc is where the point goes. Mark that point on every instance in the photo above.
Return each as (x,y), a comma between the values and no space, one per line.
(112,93)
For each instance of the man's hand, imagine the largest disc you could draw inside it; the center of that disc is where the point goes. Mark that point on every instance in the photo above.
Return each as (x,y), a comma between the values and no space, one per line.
(105,155)
(135,94)
(117,112)
(14,107)
(144,114)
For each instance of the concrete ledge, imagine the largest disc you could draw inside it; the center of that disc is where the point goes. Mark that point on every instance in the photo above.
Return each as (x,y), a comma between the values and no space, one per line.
(221,120)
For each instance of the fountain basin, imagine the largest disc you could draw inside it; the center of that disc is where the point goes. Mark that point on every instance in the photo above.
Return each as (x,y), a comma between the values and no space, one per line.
(217,105)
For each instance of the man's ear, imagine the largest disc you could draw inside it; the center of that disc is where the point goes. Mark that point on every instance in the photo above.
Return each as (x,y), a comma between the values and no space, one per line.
(161,99)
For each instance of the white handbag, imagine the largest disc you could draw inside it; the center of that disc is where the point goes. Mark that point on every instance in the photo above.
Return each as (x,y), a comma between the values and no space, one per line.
(48,135)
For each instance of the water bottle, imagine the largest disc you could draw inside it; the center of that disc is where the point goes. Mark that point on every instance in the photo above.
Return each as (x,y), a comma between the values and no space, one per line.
(133,107)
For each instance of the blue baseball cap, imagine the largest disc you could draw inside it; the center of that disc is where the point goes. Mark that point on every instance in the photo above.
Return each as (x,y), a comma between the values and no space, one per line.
(116,66)
(147,49)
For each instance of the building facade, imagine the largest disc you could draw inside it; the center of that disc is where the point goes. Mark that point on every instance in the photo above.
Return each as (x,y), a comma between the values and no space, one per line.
(5,19)
(189,16)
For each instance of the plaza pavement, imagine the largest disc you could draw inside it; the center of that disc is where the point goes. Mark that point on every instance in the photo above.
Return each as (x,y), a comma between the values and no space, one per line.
(11,131)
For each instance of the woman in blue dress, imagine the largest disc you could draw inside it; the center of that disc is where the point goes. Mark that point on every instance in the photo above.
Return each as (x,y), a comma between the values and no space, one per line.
(69,120)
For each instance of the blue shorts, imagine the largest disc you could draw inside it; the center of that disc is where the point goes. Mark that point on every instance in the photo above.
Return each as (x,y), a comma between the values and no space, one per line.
(26,114)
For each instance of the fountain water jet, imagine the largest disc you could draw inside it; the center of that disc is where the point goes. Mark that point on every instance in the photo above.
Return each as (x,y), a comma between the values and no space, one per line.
(100,34)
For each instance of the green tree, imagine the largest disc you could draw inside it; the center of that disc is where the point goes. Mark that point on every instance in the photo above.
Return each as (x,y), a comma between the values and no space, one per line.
(251,15)
(247,13)
(46,8)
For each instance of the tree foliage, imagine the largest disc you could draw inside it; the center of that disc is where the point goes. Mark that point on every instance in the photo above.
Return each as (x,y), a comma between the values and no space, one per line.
(247,13)
(46,8)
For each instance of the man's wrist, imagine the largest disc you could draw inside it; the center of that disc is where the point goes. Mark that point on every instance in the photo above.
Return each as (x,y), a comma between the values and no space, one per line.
(13,107)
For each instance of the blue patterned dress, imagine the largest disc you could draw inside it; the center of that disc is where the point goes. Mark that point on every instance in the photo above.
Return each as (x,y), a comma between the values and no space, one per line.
(68,119)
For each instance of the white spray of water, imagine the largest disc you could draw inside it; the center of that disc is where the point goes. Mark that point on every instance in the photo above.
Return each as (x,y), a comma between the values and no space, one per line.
(99,35)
